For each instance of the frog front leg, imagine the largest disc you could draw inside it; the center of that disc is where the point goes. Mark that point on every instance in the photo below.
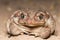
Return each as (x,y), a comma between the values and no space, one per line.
(41,32)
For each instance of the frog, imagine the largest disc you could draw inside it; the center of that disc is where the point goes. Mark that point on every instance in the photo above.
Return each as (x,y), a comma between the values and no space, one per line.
(38,23)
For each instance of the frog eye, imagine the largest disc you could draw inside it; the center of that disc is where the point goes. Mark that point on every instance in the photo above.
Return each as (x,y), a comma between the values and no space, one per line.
(22,16)
(41,16)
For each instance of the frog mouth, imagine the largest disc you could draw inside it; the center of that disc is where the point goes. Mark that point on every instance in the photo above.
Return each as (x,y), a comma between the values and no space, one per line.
(33,26)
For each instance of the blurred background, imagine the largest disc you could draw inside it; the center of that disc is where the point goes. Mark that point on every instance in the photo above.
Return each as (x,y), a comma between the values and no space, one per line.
(7,7)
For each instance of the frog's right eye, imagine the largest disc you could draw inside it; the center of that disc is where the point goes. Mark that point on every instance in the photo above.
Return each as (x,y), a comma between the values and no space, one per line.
(22,16)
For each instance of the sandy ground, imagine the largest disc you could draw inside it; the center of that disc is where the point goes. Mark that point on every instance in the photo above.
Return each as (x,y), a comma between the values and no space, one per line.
(9,6)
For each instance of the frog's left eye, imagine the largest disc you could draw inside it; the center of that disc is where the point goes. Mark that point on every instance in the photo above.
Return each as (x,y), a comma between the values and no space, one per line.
(41,16)
(22,16)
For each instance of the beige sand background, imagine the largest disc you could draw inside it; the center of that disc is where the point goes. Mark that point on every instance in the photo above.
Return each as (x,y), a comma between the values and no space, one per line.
(7,7)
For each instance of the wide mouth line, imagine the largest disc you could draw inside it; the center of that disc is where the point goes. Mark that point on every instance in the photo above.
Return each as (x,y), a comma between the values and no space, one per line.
(34,26)
(31,25)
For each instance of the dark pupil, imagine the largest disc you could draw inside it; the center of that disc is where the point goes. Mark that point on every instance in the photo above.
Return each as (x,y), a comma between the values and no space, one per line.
(22,15)
(41,16)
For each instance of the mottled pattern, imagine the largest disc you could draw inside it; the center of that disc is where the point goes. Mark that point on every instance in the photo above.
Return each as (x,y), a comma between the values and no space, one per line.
(39,23)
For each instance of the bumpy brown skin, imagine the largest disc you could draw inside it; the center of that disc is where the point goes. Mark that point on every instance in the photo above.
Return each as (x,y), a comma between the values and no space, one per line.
(39,23)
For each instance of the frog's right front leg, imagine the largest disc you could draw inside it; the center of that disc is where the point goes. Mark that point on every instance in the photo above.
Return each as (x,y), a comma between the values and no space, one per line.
(15,29)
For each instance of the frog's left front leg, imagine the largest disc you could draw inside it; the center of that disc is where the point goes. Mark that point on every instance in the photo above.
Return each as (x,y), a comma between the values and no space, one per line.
(41,32)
